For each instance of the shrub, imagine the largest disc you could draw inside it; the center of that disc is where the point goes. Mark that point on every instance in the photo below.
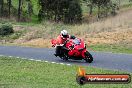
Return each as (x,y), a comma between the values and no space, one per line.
(6,29)
(67,11)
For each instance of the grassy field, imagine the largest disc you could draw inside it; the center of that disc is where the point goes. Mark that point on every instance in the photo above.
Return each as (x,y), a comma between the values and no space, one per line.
(18,73)
(110,48)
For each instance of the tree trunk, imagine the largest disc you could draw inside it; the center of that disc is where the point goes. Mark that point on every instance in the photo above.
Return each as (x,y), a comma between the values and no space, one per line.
(119,3)
(19,10)
(30,8)
(9,8)
(91,9)
(1,7)
(98,11)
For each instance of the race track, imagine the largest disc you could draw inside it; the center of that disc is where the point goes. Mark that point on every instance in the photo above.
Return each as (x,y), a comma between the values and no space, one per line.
(101,59)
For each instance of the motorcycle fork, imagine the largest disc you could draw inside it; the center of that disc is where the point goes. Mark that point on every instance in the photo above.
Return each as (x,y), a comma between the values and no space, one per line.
(83,53)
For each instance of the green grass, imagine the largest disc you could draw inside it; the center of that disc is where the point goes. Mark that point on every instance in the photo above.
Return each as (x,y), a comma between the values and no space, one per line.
(13,36)
(111,48)
(18,73)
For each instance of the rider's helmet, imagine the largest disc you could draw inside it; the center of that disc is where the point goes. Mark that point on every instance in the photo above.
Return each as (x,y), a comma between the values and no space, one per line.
(64,33)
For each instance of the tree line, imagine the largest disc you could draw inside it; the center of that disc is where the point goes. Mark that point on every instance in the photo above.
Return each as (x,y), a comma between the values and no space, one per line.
(104,7)
(6,8)
(67,11)
(61,10)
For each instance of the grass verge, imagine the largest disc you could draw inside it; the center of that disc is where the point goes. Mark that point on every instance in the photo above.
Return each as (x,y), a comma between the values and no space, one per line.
(111,48)
(18,73)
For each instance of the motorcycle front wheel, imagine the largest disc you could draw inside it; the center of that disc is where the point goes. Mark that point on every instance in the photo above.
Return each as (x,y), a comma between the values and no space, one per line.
(89,57)
(64,57)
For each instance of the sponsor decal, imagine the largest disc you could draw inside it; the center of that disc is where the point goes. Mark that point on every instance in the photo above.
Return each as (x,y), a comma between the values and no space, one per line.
(83,78)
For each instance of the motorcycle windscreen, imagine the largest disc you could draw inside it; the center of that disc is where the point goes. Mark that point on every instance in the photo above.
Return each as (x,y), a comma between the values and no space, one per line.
(76,41)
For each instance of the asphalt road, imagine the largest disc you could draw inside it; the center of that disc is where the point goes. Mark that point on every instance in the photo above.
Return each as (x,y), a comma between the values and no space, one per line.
(101,59)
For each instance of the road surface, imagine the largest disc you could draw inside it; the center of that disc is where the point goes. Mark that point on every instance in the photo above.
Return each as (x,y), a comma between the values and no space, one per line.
(101,59)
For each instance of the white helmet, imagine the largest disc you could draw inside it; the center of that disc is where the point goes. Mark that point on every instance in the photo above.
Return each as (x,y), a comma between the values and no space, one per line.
(64,33)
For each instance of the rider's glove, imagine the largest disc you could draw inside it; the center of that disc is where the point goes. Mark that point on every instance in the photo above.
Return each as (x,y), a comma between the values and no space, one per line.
(53,45)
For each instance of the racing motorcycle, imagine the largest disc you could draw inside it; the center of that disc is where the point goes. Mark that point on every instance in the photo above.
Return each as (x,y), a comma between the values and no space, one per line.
(73,48)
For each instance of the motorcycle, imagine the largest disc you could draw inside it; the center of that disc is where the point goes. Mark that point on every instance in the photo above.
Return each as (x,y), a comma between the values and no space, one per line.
(74,49)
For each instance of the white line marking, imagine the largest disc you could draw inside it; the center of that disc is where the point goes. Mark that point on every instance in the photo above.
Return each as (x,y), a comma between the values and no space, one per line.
(68,64)
(62,63)
(1,55)
(24,58)
(31,59)
(45,61)
(10,56)
(37,60)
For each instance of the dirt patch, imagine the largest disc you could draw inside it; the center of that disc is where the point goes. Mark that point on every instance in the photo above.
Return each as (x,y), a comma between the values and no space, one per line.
(123,37)
(114,30)
(38,43)
(18,27)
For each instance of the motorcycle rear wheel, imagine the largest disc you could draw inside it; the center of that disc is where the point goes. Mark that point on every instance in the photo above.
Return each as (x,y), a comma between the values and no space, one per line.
(65,58)
(89,57)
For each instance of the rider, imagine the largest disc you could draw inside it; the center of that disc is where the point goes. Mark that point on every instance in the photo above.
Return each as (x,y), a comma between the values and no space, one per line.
(61,40)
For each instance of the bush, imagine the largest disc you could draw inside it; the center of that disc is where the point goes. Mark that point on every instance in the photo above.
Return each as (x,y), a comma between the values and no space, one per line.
(6,29)
(67,11)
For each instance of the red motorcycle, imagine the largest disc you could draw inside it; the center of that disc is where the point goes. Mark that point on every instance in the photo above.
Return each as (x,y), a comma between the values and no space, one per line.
(74,49)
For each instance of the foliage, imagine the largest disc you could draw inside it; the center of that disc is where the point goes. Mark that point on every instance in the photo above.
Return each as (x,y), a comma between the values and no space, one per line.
(1,7)
(104,7)
(6,29)
(68,11)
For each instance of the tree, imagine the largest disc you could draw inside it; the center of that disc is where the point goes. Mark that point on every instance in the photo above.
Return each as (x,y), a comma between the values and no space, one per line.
(9,7)
(74,12)
(130,0)
(68,11)
(1,7)
(101,4)
(119,3)
(29,7)
(19,10)
(90,4)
